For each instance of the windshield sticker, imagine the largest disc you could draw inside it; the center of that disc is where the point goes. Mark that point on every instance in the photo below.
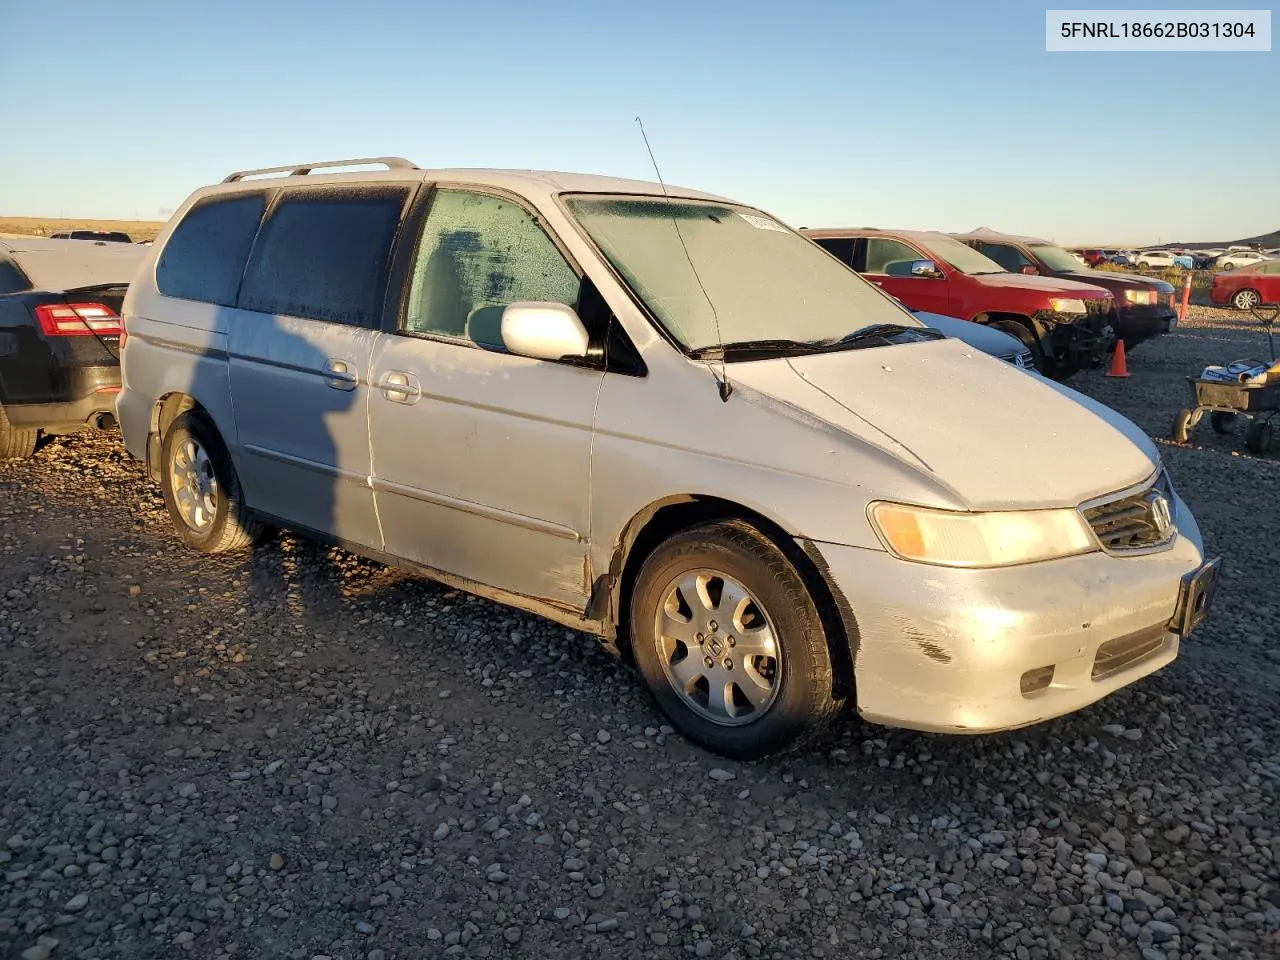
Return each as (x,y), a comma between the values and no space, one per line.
(762,223)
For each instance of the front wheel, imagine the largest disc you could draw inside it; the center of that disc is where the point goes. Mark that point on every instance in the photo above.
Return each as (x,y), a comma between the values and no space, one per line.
(1246,299)
(730,642)
(201,489)
(1222,422)
(1182,426)
(1026,336)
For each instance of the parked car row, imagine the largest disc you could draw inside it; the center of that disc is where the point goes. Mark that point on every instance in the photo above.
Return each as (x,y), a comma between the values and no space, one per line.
(1197,259)
(665,418)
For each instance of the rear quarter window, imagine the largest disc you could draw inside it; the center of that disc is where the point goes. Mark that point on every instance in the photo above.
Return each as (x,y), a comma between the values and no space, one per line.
(205,257)
(11,278)
(324,255)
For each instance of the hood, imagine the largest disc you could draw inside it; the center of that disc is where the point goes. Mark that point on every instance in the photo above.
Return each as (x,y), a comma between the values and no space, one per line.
(1049,286)
(997,437)
(1112,281)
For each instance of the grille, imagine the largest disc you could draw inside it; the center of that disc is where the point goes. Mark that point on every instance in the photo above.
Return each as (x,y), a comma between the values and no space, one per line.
(1132,522)
(1114,655)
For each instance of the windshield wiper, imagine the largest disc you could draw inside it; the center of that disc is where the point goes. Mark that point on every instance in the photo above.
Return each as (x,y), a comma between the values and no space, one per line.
(885,333)
(773,347)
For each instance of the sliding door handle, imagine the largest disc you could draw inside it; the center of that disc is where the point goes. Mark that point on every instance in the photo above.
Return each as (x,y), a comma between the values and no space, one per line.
(400,387)
(338,374)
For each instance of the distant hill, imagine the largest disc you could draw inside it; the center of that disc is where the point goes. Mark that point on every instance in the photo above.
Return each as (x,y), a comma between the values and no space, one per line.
(43,226)
(1266,241)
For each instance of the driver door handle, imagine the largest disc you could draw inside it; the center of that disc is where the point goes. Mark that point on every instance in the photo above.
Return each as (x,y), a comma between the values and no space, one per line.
(400,387)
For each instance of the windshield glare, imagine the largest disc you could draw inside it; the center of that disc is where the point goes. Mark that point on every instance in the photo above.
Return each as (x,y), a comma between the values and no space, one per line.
(766,281)
(964,258)
(1055,258)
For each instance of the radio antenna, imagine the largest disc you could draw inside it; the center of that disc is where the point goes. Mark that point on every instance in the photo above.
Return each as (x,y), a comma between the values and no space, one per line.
(722,384)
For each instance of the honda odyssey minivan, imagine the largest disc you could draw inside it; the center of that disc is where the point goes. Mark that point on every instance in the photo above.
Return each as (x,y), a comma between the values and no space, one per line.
(662,417)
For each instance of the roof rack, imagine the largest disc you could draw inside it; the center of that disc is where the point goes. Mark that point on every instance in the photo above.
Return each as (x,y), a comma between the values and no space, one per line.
(301,170)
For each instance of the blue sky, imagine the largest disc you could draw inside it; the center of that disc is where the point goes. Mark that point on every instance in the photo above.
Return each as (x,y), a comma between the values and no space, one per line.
(927,115)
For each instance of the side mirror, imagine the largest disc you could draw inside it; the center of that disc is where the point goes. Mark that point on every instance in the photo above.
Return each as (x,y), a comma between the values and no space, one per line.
(544,331)
(1030,269)
(924,268)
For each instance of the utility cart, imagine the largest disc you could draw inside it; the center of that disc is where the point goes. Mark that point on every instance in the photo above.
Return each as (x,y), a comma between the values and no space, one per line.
(1226,401)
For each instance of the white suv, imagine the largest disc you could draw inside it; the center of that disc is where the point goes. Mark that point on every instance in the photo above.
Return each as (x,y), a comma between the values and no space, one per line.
(664,418)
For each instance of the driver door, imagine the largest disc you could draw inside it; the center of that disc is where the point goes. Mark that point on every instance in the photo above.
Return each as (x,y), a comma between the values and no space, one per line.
(887,262)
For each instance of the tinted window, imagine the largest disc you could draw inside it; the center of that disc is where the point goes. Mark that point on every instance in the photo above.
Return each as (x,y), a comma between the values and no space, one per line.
(324,256)
(1011,258)
(11,278)
(892,257)
(205,257)
(479,253)
(839,247)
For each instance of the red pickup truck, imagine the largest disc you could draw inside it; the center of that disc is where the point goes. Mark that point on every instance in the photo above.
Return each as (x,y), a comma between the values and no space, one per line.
(1064,323)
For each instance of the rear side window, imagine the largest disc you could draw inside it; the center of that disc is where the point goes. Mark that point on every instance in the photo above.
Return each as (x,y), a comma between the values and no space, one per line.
(1011,258)
(11,278)
(205,257)
(324,256)
(839,247)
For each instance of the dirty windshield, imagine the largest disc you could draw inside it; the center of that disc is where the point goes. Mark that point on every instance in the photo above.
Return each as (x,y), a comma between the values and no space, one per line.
(766,282)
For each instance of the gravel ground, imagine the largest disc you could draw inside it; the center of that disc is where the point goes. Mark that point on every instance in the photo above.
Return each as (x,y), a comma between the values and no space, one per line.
(302,754)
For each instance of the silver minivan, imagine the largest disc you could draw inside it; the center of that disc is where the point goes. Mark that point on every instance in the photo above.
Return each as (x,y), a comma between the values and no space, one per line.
(664,418)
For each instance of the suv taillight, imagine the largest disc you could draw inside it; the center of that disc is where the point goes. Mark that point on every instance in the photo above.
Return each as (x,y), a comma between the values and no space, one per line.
(77,320)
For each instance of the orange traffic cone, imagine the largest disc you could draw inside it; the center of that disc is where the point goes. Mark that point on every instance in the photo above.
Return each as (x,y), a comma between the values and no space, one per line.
(1119,368)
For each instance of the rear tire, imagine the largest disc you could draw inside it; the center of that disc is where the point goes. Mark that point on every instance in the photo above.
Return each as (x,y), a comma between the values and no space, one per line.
(16,443)
(1259,437)
(715,593)
(201,488)
(1246,299)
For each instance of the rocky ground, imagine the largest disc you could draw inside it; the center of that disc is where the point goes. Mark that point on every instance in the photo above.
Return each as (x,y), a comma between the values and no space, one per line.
(302,754)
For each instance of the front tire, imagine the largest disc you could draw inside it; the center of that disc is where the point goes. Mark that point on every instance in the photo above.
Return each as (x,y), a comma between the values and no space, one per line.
(201,488)
(730,642)
(1026,336)
(15,443)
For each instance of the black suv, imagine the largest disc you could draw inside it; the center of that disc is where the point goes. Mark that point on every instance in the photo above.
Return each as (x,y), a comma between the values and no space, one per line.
(59,337)
(1142,307)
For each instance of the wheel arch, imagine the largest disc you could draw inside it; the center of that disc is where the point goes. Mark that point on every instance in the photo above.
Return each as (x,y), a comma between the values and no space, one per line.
(166,409)
(670,515)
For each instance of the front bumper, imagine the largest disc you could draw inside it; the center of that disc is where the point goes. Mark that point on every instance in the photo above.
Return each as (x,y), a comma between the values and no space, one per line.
(962,651)
(1075,340)
(1134,324)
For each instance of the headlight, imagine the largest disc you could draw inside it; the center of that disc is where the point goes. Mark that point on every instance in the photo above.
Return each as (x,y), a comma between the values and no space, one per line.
(998,539)
(1146,297)
(1066,305)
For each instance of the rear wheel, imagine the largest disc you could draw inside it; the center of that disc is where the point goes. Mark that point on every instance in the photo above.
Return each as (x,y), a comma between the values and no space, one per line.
(1260,436)
(730,643)
(16,443)
(201,488)
(1246,299)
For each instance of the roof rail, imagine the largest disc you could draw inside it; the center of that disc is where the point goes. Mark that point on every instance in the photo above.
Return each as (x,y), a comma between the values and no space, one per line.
(301,170)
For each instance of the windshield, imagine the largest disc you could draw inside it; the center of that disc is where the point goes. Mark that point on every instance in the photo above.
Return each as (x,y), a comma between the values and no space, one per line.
(766,281)
(965,259)
(1055,258)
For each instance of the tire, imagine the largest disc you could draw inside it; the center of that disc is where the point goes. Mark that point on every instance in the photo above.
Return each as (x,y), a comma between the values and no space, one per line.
(1025,335)
(682,584)
(16,443)
(1246,299)
(1144,265)
(201,489)
(1222,422)
(1259,437)
(1182,426)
